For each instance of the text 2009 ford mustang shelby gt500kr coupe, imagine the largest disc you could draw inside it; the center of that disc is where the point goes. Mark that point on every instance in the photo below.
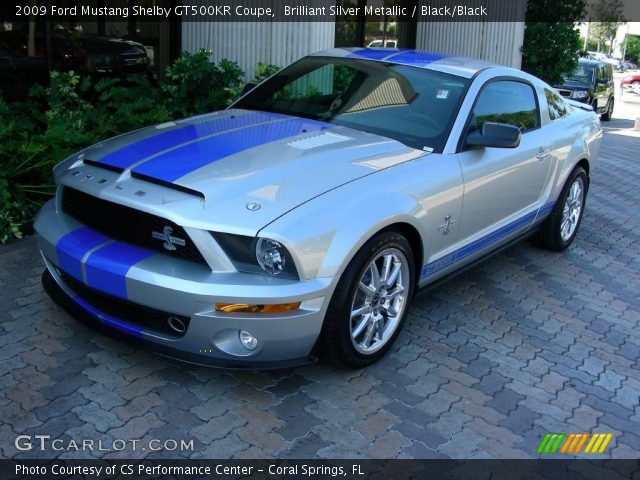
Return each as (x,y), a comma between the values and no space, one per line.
(309,212)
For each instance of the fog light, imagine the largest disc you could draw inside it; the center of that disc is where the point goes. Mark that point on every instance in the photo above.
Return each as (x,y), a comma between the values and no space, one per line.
(248,341)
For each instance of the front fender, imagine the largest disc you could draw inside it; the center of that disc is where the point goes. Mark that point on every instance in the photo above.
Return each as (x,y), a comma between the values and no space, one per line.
(324,244)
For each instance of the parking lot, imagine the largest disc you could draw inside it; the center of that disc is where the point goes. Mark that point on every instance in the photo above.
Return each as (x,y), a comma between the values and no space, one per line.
(528,343)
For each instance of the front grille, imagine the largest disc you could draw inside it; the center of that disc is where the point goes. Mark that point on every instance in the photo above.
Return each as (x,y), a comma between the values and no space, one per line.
(127,224)
(132,313)
(564,93)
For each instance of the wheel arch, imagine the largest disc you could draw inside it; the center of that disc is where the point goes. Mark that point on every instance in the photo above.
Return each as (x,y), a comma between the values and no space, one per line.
(414,238)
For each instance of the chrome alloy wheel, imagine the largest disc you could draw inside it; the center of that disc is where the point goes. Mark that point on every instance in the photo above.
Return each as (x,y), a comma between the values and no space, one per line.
(572,209)
(379,301)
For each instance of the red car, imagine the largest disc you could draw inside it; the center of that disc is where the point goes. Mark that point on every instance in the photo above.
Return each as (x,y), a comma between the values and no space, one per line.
(630,82)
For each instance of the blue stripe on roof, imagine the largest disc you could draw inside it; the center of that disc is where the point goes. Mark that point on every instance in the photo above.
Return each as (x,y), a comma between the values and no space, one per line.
(416,58)
(107,267)
(73,246)
(404,56)
(184,160)
(128,155)
(373,53)
(446,261)
(110,321)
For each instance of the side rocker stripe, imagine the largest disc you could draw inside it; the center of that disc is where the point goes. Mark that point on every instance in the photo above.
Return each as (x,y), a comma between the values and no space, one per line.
(451,258)
(182,161)
(107,267)
(130,154)
(72,247)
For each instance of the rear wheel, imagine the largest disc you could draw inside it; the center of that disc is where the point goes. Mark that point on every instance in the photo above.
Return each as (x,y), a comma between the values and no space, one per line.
(370,302)
(560,228)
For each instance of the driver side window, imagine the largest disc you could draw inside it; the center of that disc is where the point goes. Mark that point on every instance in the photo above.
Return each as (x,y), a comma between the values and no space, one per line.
(510,102)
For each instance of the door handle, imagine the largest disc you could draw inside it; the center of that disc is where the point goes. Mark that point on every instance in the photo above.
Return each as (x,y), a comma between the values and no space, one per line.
(542,155)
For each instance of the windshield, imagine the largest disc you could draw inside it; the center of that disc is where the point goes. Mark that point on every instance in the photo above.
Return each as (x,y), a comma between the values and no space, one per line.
(582,74)
(411,105)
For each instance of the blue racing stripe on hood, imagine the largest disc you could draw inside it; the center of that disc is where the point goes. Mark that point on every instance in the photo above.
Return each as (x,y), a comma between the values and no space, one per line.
(73,246)
(182,161)
(130,154)
(107,267)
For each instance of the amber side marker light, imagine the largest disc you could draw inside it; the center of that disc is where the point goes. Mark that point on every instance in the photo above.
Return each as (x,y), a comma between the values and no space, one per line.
(246,308)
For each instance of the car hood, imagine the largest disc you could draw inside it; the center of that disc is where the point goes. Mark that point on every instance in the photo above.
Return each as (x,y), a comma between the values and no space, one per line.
(249,167)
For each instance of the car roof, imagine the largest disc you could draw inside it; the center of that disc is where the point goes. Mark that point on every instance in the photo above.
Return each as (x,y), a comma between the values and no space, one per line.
(457,65)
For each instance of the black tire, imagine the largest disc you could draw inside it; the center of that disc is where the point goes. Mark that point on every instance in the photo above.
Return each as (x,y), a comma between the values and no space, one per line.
(335,343)
(606,116)
(550,236)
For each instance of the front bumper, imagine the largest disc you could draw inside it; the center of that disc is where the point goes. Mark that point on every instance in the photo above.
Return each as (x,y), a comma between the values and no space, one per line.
(177,288)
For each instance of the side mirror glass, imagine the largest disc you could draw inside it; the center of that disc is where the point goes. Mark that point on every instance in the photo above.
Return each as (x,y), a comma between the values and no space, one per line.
(492,134)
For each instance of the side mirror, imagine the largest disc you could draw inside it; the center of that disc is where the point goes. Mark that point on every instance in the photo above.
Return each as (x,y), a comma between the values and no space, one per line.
(248,87)
(492,134)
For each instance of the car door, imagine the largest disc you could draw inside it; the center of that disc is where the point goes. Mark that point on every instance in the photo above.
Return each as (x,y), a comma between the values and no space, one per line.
(503,186)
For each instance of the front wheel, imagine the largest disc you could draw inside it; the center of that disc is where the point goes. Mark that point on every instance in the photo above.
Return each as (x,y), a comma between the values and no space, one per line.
(370,302)
(560,228)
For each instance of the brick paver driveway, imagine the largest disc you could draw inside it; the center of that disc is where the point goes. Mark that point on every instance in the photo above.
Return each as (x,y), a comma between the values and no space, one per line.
(528,343)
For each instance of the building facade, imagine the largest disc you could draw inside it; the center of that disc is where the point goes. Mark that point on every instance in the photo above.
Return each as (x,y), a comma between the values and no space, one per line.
(281,43)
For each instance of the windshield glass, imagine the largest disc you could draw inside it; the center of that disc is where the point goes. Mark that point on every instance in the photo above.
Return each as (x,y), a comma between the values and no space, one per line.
(412,105)
(582,74)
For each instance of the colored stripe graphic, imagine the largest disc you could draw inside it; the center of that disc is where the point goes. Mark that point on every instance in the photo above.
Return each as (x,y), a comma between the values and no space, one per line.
(107,267)
(177,163)
(573,443)
(551,442)
(598,443)
(444,262)
(73,246)
(130,154)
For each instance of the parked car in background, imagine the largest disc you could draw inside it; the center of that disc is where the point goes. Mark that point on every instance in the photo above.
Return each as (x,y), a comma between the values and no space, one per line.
(304,217)
(629,65)
(630,83)
(591,82)
(80,52)
(384,43)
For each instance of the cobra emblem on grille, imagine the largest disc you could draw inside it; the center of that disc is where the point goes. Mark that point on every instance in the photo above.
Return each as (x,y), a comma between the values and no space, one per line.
(170,241)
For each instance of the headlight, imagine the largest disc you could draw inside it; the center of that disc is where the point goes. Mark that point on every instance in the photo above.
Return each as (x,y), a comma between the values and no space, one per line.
(579,94)
(270,255)
(257,255)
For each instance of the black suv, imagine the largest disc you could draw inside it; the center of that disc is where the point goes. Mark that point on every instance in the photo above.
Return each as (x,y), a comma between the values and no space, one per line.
(591,82)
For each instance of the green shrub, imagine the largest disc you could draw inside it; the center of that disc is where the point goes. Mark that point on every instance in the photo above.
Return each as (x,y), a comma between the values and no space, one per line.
(264,71)
(195,85)
(73,112)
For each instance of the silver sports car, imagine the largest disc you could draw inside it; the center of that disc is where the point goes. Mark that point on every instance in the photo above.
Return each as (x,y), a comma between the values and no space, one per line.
(303,219)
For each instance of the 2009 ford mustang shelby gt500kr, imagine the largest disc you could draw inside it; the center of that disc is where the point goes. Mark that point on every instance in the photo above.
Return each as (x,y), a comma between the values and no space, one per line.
(309,212)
